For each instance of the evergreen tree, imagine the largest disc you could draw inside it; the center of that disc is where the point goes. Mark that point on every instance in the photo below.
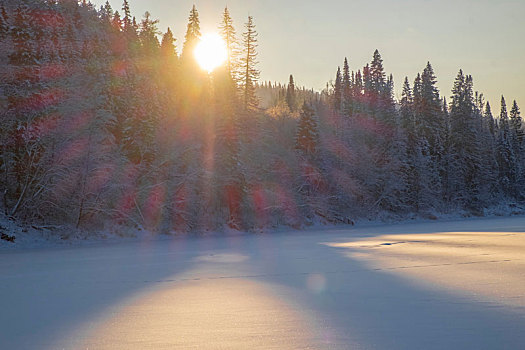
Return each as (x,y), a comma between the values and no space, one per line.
(170,76)
(406,109)
(516,141)
(465,129)
(377,74)
(291,99)
(229,176)
(429,117)
(417,92)
(135,25)
(489,118)
(127,19)
(338,91)
(116,22)
(430,126)
(357,93)
(347,89)
(387,113)
(506,157)
(407,124)
(515,123)
(229,36)
(385,145)
(250,74)
(193,33)
(504,124)
(106,12)
(446,115)
(368,96)
(377,90)
(489,166)
(167,46)
(130,30)
(148,36)
(307,135)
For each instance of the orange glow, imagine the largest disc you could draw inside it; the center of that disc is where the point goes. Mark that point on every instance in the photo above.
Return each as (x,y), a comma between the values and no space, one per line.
(211,52)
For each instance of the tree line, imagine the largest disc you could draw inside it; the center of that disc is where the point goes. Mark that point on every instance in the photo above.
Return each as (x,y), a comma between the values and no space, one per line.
(103,122)
(428,155)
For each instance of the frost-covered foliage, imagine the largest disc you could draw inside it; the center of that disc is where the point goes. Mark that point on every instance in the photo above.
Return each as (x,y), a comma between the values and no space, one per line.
(425,156)
(102,122)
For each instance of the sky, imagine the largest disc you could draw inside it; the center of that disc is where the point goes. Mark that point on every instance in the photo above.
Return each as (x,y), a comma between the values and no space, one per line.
(309,39)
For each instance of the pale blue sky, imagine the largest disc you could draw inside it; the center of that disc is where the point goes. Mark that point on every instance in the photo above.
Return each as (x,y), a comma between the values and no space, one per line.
(309,39)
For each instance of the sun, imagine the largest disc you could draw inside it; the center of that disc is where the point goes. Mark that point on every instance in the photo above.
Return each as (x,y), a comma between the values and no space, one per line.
(211,51)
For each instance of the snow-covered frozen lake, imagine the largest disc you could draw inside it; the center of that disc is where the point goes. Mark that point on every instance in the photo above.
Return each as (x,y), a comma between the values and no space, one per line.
(438,285)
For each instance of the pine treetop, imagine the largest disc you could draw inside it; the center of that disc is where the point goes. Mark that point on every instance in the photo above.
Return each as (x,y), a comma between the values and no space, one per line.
(377,73)
(503,115)
(516,121)
(290,94)
(126,20)
(167,44)
(429,88)
(406,94)
(228,33)
(193,33)
(148,34)
(250,74)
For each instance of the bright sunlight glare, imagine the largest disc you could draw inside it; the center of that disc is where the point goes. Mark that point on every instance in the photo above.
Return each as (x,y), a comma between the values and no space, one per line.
(211,51)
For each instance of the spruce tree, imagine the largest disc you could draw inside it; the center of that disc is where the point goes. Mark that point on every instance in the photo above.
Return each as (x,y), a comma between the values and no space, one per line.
(377,73)
(507,161)
(515,122)
(291,98)
(410,155)
(250,74)
(465,131)
(429,124)
(106,12)
(517,136)
(489,139)
(116,22)
(338,91)
(130,30)
(368,96)
(229,36)
(504,124)
(432,118)
(378,92)
(167,46)
(229,177)
(148,36)
(347,89)
(193,33)
(307,135)
(357,93)
(127,19)
(490,122)
(387,111)
(446,115)
(429,115)
(406,109)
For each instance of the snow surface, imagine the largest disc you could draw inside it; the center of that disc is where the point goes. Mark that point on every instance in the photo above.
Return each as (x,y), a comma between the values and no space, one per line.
(426,285)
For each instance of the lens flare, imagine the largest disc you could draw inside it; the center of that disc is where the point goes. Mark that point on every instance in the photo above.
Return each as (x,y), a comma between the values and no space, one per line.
(211,51)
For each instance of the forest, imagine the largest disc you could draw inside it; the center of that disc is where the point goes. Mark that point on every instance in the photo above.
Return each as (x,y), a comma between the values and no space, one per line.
(107,121)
